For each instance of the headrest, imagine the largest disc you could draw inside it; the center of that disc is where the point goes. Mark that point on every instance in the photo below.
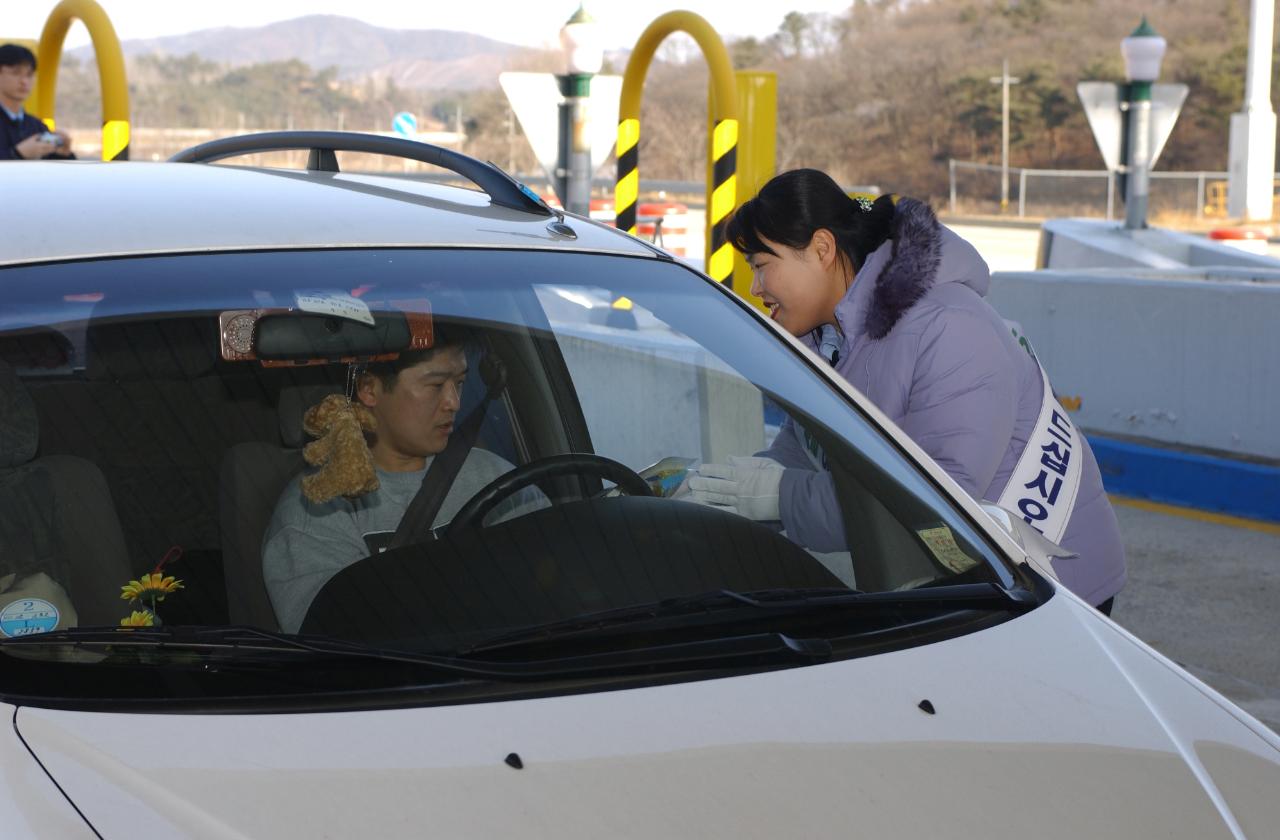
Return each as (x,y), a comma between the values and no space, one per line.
(141,349)
(294,402)
(19,427)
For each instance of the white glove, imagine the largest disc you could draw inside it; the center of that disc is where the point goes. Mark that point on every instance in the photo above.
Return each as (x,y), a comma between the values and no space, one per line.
(746,486)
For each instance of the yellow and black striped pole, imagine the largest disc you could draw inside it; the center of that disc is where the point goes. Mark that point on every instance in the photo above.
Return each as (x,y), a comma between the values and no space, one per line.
(627,192)
(111,76)
(722,183)
(757,154)
(724,198)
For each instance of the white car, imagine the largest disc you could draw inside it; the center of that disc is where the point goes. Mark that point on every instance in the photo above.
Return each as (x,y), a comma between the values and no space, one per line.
(614,661)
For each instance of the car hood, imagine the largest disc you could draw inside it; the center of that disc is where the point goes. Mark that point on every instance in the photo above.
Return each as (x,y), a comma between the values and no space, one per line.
(1054,724)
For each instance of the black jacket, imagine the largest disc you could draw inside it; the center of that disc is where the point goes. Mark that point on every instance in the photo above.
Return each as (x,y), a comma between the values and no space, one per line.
(13,132)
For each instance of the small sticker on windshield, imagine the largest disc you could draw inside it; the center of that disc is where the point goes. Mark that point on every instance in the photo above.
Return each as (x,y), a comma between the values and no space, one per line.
(942,544)
(27,617)
(338,304)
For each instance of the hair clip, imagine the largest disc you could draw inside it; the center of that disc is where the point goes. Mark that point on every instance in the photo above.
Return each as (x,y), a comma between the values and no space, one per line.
(864,204)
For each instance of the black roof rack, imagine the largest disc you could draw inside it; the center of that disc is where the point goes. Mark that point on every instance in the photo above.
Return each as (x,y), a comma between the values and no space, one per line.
(501,187)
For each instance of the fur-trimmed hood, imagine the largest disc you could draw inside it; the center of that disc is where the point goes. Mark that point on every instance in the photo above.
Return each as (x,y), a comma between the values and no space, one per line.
(915,254)
(920,255)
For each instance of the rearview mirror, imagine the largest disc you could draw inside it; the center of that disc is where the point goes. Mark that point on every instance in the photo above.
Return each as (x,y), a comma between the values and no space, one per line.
(297,335)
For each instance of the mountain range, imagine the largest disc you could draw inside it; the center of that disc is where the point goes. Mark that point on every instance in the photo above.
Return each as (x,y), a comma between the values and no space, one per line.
(411,58)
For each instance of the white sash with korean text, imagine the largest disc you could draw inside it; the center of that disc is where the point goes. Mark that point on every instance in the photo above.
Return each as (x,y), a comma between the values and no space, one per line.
(1044,484)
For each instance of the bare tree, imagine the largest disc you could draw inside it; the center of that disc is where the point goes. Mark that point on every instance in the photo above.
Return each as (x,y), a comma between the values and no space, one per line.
(794,30)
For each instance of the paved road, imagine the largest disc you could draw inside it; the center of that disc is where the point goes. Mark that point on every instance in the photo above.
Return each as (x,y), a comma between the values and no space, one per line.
(1208,597)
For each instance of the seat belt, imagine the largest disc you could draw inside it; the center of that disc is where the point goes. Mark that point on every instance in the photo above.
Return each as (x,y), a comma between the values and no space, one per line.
(416,524)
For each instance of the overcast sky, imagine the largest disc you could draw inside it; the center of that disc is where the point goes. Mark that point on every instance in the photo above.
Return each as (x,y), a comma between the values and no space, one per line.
(529,22)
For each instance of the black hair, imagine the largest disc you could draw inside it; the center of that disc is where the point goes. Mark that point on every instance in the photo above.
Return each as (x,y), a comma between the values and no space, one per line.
(14,55)
(444,336)
(796,204)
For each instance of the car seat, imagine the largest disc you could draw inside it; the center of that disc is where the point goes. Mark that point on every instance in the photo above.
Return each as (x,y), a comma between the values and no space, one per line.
(57,515)
(253,476)
(155,409)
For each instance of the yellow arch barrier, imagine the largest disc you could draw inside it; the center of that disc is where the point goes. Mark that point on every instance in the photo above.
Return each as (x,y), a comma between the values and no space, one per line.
(722,183)
(111,76)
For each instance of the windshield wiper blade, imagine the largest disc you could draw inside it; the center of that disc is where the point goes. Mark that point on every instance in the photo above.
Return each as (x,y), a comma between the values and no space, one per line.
(185,637)
(685,604)
(968,596)
(716,652)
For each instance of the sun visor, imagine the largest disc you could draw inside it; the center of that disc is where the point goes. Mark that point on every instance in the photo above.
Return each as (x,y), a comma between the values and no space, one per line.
(139,348)
(36,349)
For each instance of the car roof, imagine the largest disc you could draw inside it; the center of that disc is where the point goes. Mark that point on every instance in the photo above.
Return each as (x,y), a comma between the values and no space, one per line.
(59,210)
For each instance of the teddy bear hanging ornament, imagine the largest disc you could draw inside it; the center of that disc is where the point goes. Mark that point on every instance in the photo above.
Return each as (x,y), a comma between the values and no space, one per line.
(339,422)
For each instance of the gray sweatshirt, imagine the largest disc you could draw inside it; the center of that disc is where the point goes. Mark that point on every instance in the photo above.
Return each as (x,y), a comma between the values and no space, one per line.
(306,544)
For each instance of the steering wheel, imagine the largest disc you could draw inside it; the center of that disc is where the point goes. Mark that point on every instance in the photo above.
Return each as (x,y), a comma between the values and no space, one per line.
(574,463)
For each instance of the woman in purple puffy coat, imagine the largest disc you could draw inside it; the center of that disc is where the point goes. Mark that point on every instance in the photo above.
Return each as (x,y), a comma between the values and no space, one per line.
(895,301)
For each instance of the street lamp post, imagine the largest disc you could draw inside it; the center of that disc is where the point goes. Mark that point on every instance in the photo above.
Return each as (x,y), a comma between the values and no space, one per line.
(1004,80)
(1253,129)
(1143,51)
(584,57)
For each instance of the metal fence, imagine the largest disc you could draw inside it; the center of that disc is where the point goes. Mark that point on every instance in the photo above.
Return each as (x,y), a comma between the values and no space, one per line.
(1044,193)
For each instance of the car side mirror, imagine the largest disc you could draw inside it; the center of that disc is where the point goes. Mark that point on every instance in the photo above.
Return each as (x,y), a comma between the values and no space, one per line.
(1040,551)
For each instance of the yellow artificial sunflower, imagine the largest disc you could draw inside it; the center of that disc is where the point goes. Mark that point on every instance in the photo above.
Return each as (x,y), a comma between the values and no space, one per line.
(140,618)
(153,586)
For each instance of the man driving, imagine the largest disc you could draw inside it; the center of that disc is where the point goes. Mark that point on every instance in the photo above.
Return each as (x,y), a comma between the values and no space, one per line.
(415,400)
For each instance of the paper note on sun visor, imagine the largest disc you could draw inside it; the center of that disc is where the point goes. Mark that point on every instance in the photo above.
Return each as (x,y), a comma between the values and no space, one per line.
(337,304)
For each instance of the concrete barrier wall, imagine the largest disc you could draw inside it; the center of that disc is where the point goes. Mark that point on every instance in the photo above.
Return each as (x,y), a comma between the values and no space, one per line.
(1075,244)
(1186,357)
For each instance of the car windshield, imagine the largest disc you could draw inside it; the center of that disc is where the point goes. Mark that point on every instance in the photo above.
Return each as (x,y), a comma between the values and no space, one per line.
(440,452)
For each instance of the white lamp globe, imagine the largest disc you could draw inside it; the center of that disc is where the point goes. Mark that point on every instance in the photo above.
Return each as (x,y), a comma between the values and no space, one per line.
(1143,51)
(580,38)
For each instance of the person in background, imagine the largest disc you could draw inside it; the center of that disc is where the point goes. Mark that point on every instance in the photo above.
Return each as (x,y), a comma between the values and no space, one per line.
(22,136)
(895,302)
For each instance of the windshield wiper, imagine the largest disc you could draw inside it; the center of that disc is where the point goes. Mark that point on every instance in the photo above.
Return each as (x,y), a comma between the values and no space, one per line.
(750,605)
(711,652)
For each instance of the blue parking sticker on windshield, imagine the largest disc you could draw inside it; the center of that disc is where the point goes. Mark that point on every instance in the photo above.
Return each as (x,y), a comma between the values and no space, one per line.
(28,617)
